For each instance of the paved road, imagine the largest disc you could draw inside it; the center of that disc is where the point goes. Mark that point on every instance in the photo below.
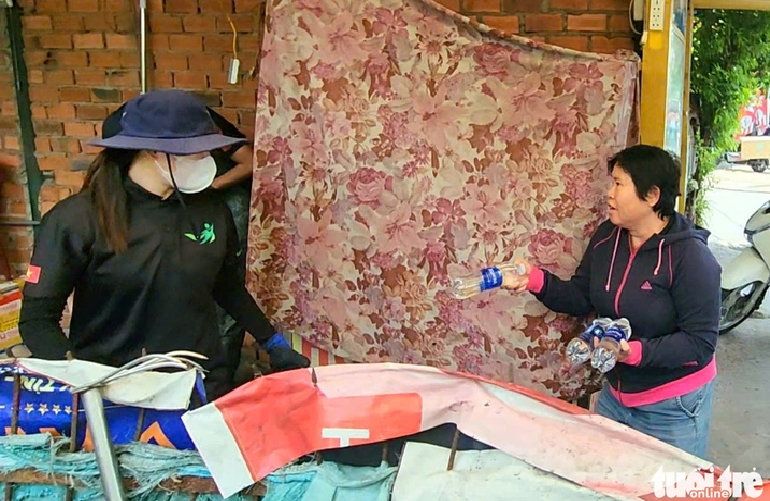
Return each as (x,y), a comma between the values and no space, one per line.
(740,435)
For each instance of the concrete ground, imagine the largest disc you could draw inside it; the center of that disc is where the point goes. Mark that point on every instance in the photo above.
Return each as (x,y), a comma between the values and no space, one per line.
(740,435)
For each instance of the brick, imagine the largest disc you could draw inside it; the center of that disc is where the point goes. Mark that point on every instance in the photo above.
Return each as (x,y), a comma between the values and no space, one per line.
(216,6)
(218,43)
(509,24)
(168,62)
(163,23)
(212,100)
(218,80)
(102,59)
(248,118)
(182,6)
(49,193)
(83,5)
(43,93)
(513,6)
(65,144)
(91,112)
(123,79)
(543,22)
(158,42)
(100,22)
(130,60)
(199,24)
(32,42)
(248,44)
(90,78)
(79,129)
(620,22)
(42,144)
(190,80)
(572,5)
(55,41)
(123,42)
(61,110)
(13,190)
(70,22)
(49,6)
(88,41)
(125,23)
(610,45)
(587,22)
(9,124)
(37,57)
(33,23)
(106,95)
(74,94)
(244,23)
(238,99)
(186,42)
(46,128)
(612,5)
(69,178)
(36,77)
(72,59)
(117,5)
(206,62)
(53,163)
(38,113)
(11,143)
(162,79)
(129,94)
(570,42)
(481,5)
(230,115)
(59,77)
(254,5)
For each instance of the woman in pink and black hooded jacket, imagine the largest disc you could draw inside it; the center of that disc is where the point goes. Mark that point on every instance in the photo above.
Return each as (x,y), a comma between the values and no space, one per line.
(650,265)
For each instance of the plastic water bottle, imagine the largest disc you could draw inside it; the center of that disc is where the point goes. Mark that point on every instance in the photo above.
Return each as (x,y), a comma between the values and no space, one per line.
(580,348)
(605,356)
(488,278)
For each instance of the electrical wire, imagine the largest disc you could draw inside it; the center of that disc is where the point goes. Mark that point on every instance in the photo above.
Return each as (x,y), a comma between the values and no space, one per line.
(631,17)
(235,37)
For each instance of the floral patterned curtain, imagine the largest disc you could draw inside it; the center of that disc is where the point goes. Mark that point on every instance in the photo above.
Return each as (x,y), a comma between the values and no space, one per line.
(399,143)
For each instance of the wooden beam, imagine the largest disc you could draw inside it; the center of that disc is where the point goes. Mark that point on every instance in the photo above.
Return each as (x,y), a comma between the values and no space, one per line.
(733,4)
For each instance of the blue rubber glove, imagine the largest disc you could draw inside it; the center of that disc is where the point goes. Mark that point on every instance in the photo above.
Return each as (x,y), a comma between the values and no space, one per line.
(282,356)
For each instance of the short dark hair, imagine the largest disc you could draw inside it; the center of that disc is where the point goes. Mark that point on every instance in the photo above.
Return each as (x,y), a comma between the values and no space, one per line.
(650,166)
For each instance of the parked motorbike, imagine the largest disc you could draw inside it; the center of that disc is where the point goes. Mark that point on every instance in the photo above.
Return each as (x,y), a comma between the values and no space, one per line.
(746,278)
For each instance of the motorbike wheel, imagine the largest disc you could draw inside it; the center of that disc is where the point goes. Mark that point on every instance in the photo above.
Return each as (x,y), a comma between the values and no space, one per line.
(759,166)
(738,304)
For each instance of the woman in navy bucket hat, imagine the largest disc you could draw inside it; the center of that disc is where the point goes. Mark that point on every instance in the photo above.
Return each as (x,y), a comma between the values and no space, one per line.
(147,250)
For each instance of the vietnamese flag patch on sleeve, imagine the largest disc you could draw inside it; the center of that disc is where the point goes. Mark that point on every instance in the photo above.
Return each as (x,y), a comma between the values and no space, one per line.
(33,274)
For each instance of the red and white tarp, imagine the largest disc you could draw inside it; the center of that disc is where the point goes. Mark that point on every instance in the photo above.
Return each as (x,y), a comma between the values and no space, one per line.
(277,419)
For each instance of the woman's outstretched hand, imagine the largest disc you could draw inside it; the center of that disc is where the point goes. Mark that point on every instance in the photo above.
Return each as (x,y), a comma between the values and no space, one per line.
(516,282)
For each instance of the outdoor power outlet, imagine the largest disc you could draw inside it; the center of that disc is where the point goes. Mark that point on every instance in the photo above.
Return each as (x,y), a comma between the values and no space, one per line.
(656,14)
(232,76)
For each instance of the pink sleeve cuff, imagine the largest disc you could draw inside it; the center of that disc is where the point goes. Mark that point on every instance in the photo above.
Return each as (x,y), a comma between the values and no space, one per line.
(635,358)
(536,280)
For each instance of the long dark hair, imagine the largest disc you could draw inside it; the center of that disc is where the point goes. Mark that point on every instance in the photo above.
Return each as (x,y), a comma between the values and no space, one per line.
(104,183)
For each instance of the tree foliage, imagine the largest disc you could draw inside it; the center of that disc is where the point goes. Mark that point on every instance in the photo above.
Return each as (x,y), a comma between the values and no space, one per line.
(730,61)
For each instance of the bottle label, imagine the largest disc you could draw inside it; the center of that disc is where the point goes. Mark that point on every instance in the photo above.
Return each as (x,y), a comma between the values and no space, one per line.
(615,333)
(491,278)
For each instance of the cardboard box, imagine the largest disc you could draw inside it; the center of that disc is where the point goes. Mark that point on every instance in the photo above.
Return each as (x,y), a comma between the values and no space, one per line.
(10,307)
(755,148)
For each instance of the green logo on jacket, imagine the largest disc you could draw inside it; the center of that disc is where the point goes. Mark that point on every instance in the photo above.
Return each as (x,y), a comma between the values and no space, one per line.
(206,236)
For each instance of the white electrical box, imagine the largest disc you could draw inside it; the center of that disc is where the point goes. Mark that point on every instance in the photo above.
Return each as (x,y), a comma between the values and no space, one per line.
(637,10)
(656,14)
(6,3)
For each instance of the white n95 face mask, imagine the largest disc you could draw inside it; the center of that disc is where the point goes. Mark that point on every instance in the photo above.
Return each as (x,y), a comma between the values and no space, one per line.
(191,175)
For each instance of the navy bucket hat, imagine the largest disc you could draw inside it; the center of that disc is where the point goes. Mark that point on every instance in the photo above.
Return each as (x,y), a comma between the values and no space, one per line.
(169,121)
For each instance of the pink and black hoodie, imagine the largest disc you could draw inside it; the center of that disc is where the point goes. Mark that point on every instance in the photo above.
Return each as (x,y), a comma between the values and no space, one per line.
(669,290)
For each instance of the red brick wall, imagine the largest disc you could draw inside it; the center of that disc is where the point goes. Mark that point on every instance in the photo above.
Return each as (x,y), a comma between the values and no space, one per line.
(15,241)
(83,62)
(587,25)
